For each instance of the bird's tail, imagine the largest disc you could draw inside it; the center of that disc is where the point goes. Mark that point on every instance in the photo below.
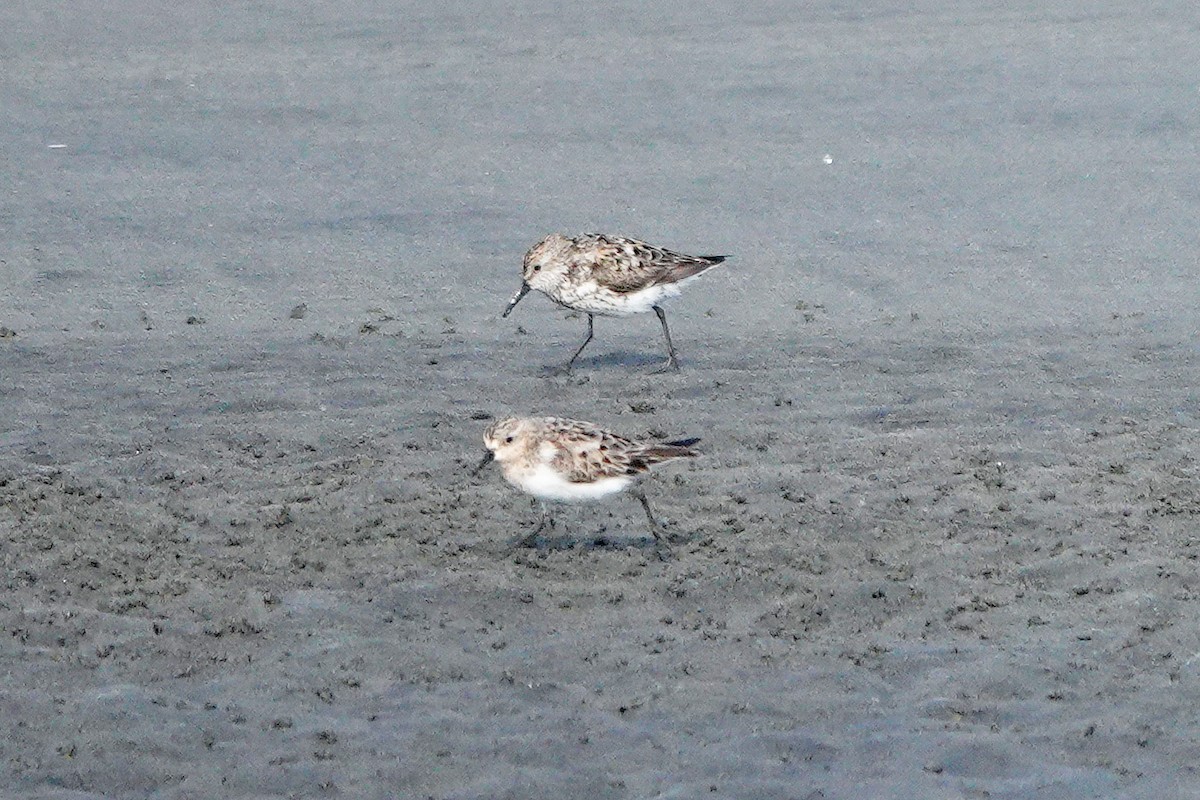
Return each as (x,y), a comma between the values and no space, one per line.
(681,448)
(690,267)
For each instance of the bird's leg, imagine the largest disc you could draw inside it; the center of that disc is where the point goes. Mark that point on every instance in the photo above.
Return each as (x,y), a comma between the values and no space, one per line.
(546,521)
(661,547)
(570,363)
(640,494)
(672,362)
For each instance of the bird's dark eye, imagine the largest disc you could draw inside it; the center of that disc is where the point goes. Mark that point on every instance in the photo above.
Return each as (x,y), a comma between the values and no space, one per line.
(537,267)
(508,440)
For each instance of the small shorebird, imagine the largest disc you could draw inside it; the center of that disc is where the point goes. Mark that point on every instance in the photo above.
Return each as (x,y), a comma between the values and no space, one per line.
(565,460)
(608,275)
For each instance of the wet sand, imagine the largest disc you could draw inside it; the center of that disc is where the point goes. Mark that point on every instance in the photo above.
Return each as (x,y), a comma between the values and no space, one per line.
(943,540)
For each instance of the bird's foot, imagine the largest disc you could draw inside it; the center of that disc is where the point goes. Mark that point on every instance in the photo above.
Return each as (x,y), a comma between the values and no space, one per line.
(671,366)
(662,550)
(523,541)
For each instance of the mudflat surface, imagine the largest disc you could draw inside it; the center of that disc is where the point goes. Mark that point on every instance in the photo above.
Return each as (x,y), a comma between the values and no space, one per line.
(944,538)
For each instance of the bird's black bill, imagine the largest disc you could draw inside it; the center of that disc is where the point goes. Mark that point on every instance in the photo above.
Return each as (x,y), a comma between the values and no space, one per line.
(524,290)
(487,459)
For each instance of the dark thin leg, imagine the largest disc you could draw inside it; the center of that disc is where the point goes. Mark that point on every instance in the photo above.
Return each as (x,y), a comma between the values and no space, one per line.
(641,496)
(567,368)
(672,363)
(661,548)
(528,539)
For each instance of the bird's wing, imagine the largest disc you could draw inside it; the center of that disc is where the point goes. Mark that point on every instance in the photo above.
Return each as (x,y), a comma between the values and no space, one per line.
(627,265)
(585,453)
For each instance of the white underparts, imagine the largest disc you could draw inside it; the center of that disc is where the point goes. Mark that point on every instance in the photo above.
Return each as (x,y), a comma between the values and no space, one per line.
(593,298)
(546,483)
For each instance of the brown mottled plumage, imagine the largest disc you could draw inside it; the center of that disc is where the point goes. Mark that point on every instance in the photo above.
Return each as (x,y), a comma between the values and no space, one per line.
(610,276)
(567,460)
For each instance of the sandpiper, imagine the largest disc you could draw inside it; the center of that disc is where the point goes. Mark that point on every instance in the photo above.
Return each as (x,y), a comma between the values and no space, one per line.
(608,275)
(566,460)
